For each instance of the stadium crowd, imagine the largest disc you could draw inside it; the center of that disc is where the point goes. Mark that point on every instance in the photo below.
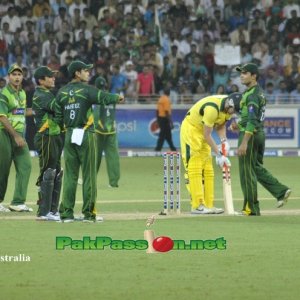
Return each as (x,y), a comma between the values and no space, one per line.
(123,42)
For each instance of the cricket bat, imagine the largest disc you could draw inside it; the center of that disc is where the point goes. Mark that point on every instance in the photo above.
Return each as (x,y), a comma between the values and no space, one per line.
(227,191)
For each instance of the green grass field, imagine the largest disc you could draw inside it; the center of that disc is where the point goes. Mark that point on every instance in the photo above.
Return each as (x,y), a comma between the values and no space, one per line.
(261,260)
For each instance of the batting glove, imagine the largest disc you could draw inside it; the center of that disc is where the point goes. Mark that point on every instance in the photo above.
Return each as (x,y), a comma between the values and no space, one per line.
(224,146)
(222,160)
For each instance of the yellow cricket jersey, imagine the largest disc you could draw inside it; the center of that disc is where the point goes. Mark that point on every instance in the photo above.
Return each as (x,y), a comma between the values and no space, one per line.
(208,111)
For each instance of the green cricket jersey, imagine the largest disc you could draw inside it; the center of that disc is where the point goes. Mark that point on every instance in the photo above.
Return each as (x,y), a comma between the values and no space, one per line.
(43,105)
(13,106)
(104,116)
(75,102)
(253,105)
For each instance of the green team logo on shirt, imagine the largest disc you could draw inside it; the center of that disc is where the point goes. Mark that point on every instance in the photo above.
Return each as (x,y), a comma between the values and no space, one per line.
(21,102)
(72,106)
(71,97)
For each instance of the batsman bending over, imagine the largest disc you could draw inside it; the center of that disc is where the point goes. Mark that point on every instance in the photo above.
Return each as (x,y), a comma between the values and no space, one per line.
(196,145)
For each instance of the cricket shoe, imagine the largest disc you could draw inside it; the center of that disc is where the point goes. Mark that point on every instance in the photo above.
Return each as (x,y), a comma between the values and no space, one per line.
(217,211)
(3,208)
(81,218)
(205,210)
(66,220)
(195,211)
(78,218)
(55,214)
(244,213)
(201,210)
(284,200)
(49,217)
(96,220)
(20,208)
(241,213)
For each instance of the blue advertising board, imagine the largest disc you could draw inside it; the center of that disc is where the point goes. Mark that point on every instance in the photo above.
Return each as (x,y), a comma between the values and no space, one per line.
(275,128)
(279,127)
(137,127)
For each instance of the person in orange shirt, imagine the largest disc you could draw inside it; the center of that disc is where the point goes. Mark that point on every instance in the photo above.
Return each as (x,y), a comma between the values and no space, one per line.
(164,121)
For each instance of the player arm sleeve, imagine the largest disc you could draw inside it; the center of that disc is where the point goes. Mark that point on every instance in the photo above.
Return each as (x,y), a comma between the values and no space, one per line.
(51,105)
(252,107)
(210,141)
(47,105)
(58,112)
(3,106)
(210,116)
(97,96)
(3,117)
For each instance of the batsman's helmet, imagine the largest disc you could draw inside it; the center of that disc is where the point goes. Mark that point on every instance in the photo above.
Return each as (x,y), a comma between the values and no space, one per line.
(234,100)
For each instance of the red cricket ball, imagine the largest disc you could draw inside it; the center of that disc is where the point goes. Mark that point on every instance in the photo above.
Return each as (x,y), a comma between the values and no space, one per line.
(163,244)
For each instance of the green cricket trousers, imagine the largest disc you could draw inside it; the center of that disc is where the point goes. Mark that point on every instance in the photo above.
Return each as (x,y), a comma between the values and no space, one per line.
(49,148)
(10,152)
(108,143)
(251,171)
(83,156)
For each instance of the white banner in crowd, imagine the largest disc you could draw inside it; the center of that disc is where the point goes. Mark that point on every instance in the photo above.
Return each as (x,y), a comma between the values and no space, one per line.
(227,55)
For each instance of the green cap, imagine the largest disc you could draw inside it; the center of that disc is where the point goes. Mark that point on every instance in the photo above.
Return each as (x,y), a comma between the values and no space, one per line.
(78,65)
(15,67)
(100,83)
(43,72)
(250,67)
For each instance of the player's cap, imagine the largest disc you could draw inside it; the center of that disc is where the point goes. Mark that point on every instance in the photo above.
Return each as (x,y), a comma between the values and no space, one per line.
(15,67)
(78,65)
(129,63)
(43,72)
(100,83)
(250,67)
(234,100)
